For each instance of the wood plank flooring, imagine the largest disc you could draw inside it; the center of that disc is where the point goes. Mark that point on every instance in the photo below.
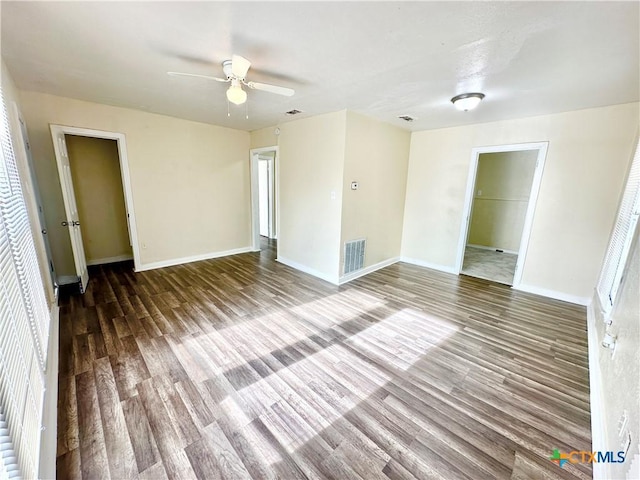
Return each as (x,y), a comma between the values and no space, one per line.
(241,368)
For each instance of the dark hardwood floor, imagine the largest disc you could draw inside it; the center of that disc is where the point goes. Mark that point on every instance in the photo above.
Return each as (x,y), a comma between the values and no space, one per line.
(241,367)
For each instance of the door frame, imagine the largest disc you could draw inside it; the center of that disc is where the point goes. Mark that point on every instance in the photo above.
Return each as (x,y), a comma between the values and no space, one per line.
(124,174)
(542,148)
(271,227)
(254,155)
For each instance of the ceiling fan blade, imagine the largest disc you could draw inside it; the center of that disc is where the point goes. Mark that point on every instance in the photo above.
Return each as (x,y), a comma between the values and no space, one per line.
(240,66)
(180,74)
(265,87)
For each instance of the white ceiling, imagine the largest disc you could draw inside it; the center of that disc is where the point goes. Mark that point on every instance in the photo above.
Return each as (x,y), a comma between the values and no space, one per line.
(382,59)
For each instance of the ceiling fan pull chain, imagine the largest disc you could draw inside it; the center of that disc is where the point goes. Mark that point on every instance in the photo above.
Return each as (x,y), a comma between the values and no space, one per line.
(246,110)
(228,112)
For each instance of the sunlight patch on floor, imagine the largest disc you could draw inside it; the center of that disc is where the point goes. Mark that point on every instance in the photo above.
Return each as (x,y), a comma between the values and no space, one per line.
(341,377)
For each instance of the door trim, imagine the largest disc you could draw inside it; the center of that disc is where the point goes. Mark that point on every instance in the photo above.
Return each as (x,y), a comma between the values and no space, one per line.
(124,173)
(254,153)
(531,206)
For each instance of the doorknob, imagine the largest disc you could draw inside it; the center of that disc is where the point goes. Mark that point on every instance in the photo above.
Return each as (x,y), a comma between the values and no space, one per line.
(44,231)
(64,224)
(75,224)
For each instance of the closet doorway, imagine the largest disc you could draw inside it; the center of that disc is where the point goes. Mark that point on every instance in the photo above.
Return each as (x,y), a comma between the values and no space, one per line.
(95,170)
(96,192)
(500,203)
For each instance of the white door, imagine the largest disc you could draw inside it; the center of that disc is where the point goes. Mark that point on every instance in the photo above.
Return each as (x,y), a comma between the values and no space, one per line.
(36,195)
(72,222)
(263,187)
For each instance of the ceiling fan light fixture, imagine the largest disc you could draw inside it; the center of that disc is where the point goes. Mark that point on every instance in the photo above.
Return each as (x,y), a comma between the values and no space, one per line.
(467,101)
(236,95)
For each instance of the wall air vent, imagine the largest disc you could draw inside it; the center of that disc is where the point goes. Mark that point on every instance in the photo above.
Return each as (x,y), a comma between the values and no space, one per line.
(406,118)
(354,255)
(293,112)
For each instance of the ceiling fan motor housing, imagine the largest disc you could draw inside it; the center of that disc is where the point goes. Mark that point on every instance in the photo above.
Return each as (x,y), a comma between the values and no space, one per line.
(227,68)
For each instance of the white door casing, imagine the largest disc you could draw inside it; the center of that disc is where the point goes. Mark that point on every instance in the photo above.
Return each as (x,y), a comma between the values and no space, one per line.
(254,158)
(541,147)
(263,193)
(124,173)
(72,222)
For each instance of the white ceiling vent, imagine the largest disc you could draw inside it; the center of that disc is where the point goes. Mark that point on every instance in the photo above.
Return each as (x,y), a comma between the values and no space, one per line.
(354,255)
(406,118)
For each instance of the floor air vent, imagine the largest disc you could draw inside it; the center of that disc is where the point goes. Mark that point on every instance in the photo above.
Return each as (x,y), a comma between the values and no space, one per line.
(353,255)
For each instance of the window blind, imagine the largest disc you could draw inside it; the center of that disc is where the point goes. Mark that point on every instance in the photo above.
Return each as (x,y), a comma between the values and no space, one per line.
(24,324)
(620,242)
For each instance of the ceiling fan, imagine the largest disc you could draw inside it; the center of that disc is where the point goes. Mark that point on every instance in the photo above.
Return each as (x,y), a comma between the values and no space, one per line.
(235,71)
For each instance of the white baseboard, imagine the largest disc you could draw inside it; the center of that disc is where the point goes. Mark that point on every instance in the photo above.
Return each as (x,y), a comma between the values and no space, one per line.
(493,249)
(49,433)
(545,292)
(432,266)
(598,425)
(309,270)
(67,279)
(367,270)
(194,258)
(103,261)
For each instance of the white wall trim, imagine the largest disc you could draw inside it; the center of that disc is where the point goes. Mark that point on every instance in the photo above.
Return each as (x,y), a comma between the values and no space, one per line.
(309,270)
(195,258)
(102,261)
(432,266)
(493,249)
(545,292)
(367,270)
(598,425)
(49,434)
(67,279)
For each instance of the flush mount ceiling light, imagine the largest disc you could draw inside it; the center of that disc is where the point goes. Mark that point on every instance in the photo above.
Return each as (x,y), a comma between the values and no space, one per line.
(467,101)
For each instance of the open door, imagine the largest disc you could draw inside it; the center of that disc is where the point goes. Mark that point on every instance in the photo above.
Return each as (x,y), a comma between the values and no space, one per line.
(72,222)
(24,142)
(264,194)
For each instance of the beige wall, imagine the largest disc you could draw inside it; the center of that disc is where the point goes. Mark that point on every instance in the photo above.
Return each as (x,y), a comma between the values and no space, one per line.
(97,183)
(324,154)
(501,196)
(376,156)
(264,137)
(620,375)
(190,180)
(10,93)
(311,157)
(588,157)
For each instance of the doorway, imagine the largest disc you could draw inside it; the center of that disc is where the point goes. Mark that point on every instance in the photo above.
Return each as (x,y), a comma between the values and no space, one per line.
(264,194)
(85,213)
(500,203)
(95,171)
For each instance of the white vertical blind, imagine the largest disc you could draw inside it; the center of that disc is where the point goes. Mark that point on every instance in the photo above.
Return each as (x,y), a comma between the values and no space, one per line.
(620,243)
(24,324)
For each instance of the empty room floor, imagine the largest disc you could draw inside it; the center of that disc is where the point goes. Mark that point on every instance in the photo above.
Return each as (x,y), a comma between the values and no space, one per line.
(241,367)
(489,264)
